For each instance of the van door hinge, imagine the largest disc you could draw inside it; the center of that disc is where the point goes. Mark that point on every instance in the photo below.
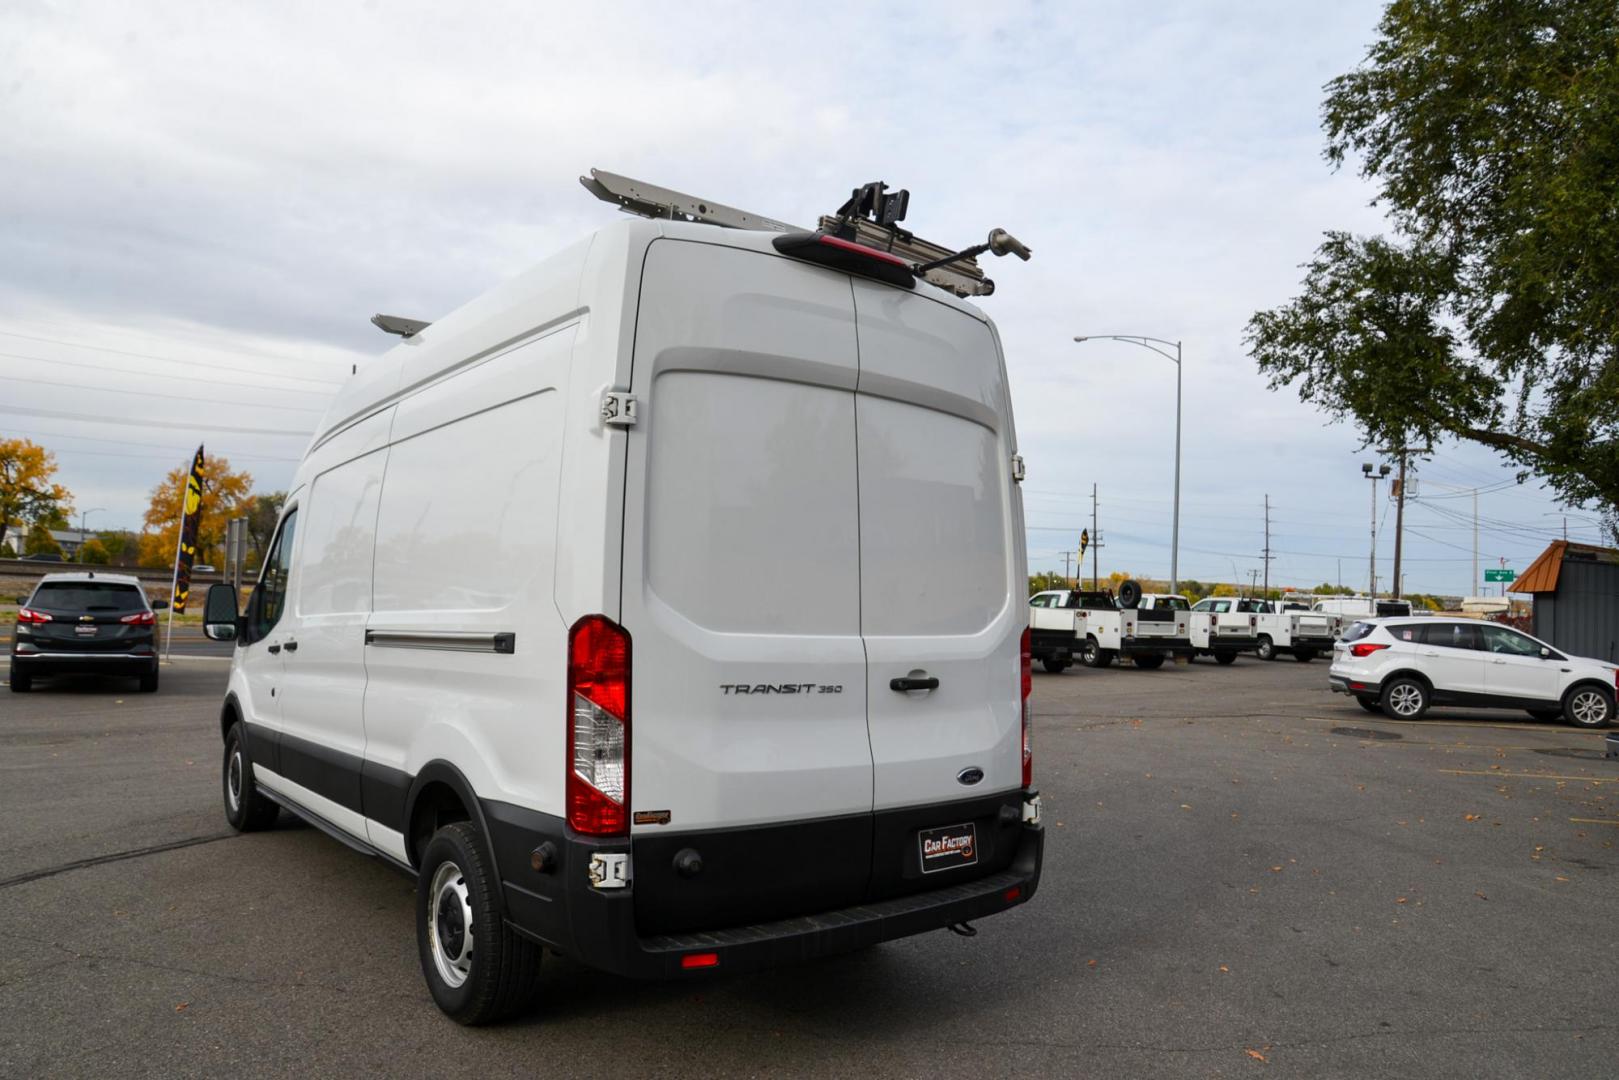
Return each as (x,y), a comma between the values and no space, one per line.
(610,871)
(619,409)
(1018,470)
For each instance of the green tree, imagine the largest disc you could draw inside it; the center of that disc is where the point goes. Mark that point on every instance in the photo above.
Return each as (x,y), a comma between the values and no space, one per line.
(94,552)
(1491,129)
(39,541)
(27,493)
(262,514)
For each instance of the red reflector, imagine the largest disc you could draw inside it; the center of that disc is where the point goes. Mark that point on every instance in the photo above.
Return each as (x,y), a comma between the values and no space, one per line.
(1357,686)
(1012,895)
(700,960)
(1365,648)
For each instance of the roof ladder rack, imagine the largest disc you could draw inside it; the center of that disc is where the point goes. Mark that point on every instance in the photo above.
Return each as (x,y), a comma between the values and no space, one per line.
(959,275)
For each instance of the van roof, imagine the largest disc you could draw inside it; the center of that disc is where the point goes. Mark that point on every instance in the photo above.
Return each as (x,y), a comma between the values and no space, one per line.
(584,276)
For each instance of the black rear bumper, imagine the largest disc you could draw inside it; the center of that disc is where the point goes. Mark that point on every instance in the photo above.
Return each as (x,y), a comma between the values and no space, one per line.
(1231,643)
(601,927)
(1156,646)
(46,664)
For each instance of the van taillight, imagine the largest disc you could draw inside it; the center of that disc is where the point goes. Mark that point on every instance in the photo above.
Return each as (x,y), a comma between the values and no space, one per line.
(1026,679)
(598,788)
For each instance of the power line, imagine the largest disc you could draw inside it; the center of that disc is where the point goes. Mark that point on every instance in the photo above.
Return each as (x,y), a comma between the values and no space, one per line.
(170,360)
(173,426)
(130,442)
(163,396)
(160,375)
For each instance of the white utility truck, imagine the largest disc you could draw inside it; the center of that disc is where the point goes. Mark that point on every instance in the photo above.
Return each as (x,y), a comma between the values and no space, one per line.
(511,635)
(1055,629)
(1295,630)
(1220,627)
(1363,606)
(1104,630)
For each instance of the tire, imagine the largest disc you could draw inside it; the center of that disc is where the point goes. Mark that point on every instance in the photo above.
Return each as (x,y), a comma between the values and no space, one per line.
(477,968)
(246,808)
(21,682)
(1225,658)
(1053,665)
(1369,704)
(1405,698)
(1304,656)
(1149,663)
(1093,655)
(1267,648)
(149,682)
(1589,706)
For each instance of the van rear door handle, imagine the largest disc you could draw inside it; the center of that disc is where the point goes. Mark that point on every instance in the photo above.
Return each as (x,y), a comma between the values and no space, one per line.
(292,646)
(905,683)
(272,648)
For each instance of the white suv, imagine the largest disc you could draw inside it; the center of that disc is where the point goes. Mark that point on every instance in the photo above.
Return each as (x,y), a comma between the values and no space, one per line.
(1400,666)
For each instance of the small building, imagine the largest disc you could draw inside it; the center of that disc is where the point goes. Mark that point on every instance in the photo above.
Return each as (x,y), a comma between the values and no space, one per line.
(1576,593)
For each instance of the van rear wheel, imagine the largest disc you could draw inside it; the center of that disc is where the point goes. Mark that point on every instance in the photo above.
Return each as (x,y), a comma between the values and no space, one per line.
(477,969)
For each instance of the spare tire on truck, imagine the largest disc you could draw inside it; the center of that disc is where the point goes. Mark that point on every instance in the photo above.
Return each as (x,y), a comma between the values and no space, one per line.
(1129,593)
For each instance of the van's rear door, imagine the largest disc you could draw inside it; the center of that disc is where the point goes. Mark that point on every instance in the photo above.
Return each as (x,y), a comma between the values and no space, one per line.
(741,591)
(940,551)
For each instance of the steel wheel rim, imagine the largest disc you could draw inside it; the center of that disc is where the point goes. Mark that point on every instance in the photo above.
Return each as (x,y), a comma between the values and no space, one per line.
(449,924)
(1589,708)
(1405,700)
(233,781)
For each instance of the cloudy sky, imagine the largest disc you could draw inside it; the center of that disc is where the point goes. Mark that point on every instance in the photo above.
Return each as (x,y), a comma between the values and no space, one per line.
(205,203)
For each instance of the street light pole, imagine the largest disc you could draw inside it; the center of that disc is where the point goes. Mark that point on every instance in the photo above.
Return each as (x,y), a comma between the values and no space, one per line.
(1374,477)
(82,515)
(1151,343)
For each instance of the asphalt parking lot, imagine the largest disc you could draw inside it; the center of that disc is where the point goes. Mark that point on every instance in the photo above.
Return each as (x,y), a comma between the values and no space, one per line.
(1245,875)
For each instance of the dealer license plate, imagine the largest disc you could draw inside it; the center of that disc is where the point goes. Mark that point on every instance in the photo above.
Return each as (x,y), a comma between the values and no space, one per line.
(85,631)
(948,847)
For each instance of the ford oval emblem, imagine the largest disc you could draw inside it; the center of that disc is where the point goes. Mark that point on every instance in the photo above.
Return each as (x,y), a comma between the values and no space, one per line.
(970,775)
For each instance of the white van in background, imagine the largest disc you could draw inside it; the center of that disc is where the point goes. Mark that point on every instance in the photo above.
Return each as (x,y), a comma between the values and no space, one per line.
(664,607)
(1363,606)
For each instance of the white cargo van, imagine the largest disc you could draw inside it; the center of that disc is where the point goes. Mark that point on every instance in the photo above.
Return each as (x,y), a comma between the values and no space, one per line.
(664,607)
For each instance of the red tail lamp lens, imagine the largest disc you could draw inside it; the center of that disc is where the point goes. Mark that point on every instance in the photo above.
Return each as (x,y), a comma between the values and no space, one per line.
(1365,648)
(700,960)
(598,784)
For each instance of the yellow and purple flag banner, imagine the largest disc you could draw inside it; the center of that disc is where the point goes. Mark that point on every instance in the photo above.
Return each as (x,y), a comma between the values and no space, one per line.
(191,515)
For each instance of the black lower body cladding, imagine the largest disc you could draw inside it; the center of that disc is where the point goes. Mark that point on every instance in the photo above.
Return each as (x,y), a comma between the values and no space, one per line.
(764,895)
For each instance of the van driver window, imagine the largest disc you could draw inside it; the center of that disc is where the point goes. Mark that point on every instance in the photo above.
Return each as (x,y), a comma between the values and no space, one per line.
(272,588)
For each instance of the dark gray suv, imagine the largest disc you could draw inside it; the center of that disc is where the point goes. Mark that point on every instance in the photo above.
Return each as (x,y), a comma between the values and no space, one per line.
(88,623)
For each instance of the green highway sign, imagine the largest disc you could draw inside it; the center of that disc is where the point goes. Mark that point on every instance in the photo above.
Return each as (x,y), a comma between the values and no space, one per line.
(1500,575)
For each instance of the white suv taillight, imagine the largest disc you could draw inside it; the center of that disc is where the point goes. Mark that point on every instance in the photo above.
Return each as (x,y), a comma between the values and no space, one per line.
(598,788)
(1026,683)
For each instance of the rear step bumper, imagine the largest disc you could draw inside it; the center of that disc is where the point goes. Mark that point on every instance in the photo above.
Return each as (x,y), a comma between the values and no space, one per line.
(598,926)
(1147,646)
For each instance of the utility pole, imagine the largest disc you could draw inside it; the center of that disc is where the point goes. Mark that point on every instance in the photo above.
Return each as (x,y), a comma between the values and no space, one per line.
(1253,576)
(1065,577)
(1399,523)
(1267,546)
(1096,541)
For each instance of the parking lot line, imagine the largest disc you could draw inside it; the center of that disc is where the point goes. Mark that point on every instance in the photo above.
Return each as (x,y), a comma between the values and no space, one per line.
(1592,821)
(1533,775)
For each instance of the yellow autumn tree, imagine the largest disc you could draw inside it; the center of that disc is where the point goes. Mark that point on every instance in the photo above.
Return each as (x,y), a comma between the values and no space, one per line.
(27,493)
(225,495)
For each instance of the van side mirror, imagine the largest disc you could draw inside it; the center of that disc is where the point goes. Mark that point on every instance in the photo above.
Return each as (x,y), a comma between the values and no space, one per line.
(219,613)
(159,605)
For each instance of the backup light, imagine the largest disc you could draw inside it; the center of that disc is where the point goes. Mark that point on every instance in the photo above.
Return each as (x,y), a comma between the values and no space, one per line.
(598,783)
